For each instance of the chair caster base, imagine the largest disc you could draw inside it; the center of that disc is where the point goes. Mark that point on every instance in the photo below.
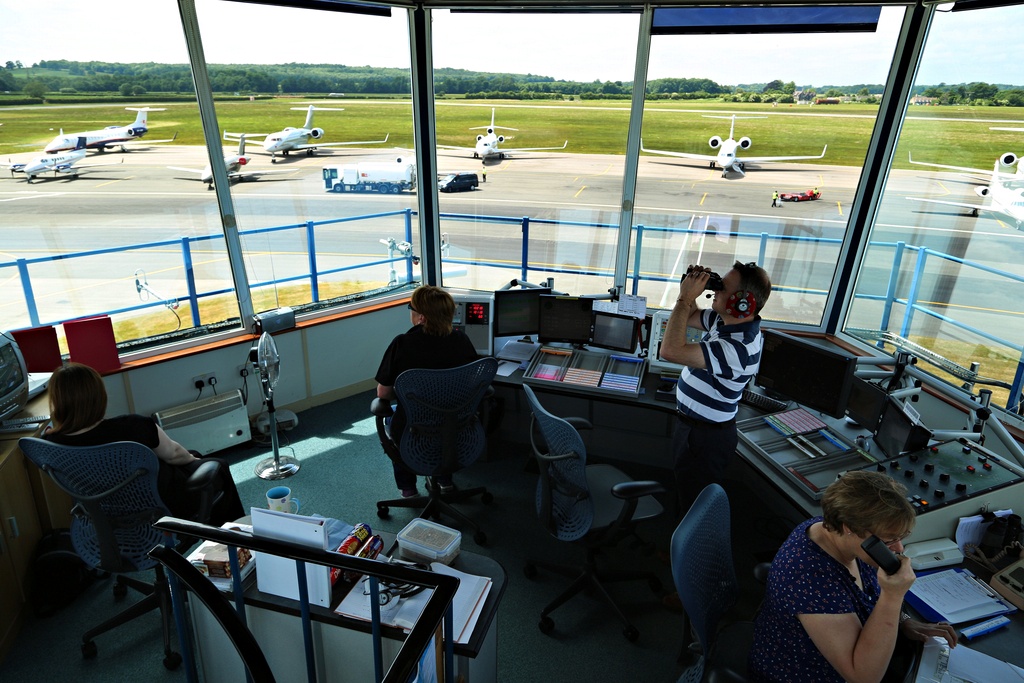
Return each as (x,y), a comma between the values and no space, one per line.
(546,625)
(172,661)
(383,511)
(89,650)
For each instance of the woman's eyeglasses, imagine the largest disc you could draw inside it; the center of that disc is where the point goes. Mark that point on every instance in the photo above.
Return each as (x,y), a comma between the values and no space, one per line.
(412,309)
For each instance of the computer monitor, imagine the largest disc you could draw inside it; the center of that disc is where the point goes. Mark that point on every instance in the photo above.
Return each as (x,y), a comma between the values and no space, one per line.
(615,331)
(13,377)
(517,311)
(897,433)
(808,373)
(568,319)
(865,403)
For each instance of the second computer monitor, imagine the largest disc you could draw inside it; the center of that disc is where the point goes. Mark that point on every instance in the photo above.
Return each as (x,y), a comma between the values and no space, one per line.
(568,319)
(808,373)
(517,311)
(615,331)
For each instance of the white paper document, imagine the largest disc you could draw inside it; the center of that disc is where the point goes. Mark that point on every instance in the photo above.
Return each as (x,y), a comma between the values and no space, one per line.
(940,664)
(972,529)
(955,596)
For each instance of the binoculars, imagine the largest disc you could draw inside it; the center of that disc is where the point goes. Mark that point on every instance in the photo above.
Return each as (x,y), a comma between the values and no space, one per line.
(714,280)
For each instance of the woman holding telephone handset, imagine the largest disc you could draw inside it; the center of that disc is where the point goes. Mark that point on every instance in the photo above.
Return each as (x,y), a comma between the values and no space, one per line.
(830,612)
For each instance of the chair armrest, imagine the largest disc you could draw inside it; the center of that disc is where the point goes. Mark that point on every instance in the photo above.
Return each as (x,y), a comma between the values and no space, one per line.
(636,489)
(381,407)
(205,475)
(579,423)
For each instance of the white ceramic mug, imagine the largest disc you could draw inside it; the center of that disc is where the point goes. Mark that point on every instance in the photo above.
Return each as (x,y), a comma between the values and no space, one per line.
(280,498)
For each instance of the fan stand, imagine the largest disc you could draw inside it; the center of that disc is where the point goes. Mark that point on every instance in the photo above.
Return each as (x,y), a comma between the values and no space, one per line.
(278,466)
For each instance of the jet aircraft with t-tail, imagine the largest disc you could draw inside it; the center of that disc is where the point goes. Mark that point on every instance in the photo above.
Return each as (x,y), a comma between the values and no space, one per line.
(293,139)
(109,137)
(1004,190)
(233,164)
(488,146)
(727,157)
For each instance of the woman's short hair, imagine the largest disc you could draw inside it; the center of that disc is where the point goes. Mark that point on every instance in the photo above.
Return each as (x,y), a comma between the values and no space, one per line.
(78,398)
(867,503)
(437,306)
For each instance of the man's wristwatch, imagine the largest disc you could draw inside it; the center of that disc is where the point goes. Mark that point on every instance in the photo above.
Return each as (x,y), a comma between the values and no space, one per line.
(904,617)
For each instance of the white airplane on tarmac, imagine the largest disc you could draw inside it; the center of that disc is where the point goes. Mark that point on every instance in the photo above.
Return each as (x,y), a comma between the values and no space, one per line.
(291,139)
(488,146)
(1005,189)
(727,158)
(109,137)
(57,163)
(232,163)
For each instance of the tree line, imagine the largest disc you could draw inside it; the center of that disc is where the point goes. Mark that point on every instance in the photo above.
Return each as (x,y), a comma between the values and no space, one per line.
(68,77)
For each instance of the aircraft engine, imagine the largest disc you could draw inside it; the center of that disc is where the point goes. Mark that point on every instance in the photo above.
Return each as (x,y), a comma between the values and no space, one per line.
(242,161)
(981,190)
(745,143)
(136,132)
(490,131)
(316,133)
(501,138)
(715,142)
(1008,159)
(479,138)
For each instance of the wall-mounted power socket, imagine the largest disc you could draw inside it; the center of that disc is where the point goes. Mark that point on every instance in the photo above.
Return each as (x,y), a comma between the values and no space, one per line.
(208,379)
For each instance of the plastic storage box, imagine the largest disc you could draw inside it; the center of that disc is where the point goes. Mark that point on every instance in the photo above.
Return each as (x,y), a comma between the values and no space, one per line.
(425,541)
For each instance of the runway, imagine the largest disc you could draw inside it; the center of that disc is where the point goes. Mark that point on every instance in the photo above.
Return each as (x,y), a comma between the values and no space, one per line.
(140,200)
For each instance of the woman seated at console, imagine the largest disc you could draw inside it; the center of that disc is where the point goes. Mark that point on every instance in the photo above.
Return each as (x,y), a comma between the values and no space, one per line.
(829,613)
(78,404)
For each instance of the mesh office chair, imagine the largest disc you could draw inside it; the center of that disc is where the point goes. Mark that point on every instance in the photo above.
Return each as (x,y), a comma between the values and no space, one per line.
(593,505)
(704,575)
(443,434)
(116,501)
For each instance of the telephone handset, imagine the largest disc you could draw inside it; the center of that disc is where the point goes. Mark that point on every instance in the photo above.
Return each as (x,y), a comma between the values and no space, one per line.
(880,553)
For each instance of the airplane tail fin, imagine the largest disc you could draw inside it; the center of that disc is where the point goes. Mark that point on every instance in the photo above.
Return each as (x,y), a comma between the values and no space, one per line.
(241,143)
(732,127)
(309,117)
(81,143)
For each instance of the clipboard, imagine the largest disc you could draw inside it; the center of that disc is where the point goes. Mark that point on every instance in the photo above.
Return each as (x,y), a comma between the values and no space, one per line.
(276,575)
(935,596)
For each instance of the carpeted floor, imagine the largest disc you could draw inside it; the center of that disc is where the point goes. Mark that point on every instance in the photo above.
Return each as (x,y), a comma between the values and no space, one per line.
(343,473)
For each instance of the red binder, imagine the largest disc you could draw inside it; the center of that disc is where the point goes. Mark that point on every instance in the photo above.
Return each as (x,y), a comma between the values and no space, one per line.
(39,348)
(91,342)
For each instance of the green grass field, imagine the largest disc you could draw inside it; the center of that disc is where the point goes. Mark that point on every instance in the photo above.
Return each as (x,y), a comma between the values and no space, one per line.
(955,135)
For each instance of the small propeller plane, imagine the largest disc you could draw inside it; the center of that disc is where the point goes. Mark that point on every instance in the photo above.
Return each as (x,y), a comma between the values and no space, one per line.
(109,137)
(57,163)
(232,163)
(293,139)
(727,157)
(488,146)
(1004,191)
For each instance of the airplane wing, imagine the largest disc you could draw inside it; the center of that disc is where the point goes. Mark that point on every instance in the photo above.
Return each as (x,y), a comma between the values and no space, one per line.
(341,144)
(748,160)
(986,173)
(144,141)
(241,175)
(249,137)
(531,149)
(197,171)
(963,205)
(681,155)
(67,168)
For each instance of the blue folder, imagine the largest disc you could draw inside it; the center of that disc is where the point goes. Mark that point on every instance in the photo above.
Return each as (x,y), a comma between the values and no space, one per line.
(959,578)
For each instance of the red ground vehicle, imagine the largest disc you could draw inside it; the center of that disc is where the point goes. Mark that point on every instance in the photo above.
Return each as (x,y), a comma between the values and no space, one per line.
(806,196)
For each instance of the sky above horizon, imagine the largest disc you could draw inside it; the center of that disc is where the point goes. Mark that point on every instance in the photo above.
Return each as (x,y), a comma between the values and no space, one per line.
(546,45)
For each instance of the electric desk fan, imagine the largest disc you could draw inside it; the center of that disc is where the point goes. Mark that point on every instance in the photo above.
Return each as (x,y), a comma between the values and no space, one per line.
(267,361)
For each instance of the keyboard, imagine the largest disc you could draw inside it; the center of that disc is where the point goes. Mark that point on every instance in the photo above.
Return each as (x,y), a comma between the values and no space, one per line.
(762,402)
(22,424)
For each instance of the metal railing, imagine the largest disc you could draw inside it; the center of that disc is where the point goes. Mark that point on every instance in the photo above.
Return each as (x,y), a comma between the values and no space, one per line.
(405,259)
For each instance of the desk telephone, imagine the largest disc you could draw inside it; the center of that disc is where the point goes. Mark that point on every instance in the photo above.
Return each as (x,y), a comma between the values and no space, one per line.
(1010,583)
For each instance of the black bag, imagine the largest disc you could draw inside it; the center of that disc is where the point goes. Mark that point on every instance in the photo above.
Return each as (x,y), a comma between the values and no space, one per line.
(60,574)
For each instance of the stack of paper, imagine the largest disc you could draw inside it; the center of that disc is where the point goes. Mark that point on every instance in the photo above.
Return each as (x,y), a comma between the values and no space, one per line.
(956,596)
